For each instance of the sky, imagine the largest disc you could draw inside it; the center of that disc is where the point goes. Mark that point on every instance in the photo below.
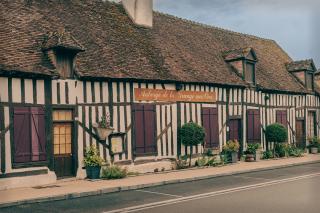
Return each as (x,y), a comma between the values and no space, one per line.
(293,24)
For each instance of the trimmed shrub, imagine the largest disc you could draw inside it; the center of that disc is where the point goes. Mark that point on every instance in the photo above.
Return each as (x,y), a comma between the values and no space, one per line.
(267,155)
(192,134)
(276,133)
(114,172)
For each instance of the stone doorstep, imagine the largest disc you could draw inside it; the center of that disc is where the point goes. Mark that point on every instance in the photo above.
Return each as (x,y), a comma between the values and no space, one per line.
(141,186)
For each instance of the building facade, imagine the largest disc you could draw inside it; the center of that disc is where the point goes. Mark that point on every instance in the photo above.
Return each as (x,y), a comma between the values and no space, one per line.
(151,72)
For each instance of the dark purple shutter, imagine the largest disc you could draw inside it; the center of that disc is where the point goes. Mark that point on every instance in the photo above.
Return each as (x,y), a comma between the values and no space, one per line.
(234,129)
(253,126)
(29,134)
(281,117)
(38,134)
(211,126)
(144,128)
(21,137)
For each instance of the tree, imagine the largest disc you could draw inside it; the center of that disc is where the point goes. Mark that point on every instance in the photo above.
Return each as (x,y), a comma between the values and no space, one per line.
(192,134)
(276,133)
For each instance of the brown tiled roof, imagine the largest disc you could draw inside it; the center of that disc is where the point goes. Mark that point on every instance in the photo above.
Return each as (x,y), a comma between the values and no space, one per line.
(174,49)
(61,40)
(301,65)
(236,53)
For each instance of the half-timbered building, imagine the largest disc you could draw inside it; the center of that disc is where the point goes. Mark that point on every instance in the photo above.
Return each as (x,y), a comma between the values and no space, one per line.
(64,64)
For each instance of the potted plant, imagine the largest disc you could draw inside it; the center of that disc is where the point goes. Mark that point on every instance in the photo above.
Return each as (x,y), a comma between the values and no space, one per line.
(103,128)
(192,134)
(93,162)
(251,151)
(314,144)
(231,149)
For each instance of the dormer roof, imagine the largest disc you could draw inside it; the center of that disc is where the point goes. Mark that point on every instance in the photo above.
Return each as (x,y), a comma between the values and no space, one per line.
(61,40)
(241,53)
(302,65)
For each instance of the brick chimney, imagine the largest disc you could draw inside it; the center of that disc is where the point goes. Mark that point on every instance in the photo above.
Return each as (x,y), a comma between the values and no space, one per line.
(140,11)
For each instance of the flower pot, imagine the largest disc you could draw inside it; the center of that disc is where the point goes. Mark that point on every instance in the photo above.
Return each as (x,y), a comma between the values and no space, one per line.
(103,133)
(93,172)
(234,157)
(314,150)
(250,158)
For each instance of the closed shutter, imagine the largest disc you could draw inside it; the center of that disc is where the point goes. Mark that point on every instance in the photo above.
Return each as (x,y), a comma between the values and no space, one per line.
(29,134)
(144,128)
(253,126)
(21,137)
(211,126)
(281,117)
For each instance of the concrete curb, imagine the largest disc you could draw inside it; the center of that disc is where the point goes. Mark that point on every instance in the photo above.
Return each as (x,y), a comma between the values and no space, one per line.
(141,186)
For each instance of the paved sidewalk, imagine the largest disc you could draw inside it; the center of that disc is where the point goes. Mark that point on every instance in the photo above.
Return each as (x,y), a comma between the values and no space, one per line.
(80,188)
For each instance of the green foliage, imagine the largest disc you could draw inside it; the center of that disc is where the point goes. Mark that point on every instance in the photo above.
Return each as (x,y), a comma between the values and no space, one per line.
(104,121)
(92,157)
(252,148)
(314,142)
(181,162)
(114,172)
(191,134)
(280,150)
(231,146)
(203,161)
(294,151)
(267,155)
(276,133)
(209,153)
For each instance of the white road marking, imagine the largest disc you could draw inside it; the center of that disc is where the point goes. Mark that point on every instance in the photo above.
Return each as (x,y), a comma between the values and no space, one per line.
(210,194)
(257,178)
(159,193)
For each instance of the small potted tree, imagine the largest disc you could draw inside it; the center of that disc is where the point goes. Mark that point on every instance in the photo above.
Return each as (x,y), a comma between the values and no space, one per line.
(231,149)
(314,144)
(93,162)
(276,133)
(103,128)
(251,152)
(191,134)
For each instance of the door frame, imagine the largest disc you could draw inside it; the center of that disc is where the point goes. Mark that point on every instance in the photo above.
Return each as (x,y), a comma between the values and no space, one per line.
(74,137)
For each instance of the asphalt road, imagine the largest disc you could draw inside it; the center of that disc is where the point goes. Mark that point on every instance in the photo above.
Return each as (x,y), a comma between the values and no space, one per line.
(292,189)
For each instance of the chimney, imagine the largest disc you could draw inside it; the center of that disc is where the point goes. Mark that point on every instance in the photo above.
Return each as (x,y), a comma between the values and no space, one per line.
(140,11)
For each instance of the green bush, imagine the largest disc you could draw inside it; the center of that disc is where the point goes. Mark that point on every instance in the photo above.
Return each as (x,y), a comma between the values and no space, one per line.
(252,148)
(294,151)
(192,134)
(280,150)
(203,161)
(314,142)
(267,155)
(114,172)
(276,133)
(92,157)
(231,146)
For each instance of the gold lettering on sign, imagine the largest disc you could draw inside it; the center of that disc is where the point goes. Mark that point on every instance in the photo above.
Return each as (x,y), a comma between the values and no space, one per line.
(142,94)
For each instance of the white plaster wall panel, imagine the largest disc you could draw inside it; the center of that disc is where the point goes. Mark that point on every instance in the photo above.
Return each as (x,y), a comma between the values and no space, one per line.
(7,140)
(54,92)
(128,108)
(79,92)
(40,92)
(97,92)
(4,96)
(164,139)
(28,91)
(16,91)
(89,92)
(62,91)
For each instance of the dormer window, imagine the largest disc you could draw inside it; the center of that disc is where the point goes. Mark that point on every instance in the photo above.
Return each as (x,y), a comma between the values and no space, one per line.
(243,61)
(62,49)
(304,72)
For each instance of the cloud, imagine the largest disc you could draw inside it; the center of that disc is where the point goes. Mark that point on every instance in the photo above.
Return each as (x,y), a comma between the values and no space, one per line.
(292,23)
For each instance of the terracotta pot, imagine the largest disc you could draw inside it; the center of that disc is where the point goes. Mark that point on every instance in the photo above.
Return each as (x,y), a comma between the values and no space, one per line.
(314,150)
(103,133)
(250,158)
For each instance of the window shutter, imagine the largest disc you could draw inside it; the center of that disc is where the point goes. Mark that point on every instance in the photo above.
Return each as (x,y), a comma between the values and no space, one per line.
(21,137)
(253,126)
(206,125)
(149,126)
(38,134)
(139,130)
(281,117)
(214,127)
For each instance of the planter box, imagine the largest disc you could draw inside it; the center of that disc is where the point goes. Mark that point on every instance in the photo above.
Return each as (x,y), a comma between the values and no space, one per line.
(250,158)
(93,172)
(103,133)
(234,157)
(314,150)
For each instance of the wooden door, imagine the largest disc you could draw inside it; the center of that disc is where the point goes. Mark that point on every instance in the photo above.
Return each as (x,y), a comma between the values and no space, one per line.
(311,124)
(300,133)
(211,126)
(235,129)
(62,143)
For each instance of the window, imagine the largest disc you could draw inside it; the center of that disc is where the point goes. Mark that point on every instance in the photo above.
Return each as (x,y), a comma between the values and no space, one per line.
(253,126)
(65,64)
(29,134)
(210,124)
(249,74)
(309,81)
(145,129)
(281,117)
(62,133)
